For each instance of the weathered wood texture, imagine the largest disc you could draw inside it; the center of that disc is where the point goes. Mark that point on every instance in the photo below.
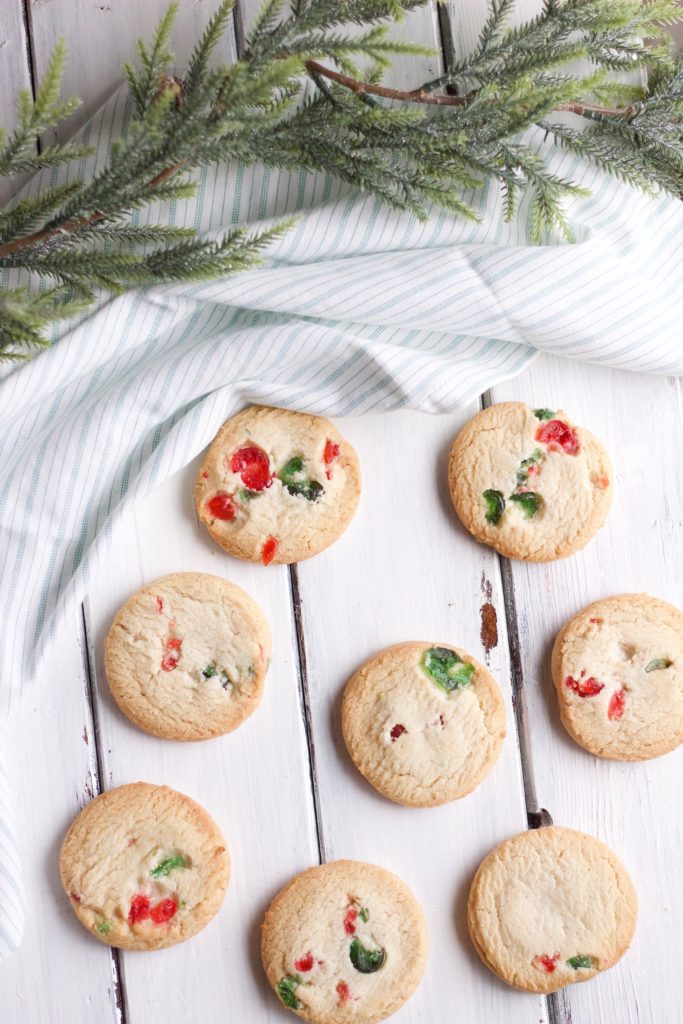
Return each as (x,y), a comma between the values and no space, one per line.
(282,786)
(14,75)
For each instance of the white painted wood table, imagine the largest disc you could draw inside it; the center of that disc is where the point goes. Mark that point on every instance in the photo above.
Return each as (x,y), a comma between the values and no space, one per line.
(282,786)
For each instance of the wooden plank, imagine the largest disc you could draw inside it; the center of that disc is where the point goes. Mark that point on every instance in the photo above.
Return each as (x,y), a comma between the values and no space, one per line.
(14,75)
(101,36)
(53,774)
(406,570)
(255,781)
(628,806)
(418,26)
(467,19)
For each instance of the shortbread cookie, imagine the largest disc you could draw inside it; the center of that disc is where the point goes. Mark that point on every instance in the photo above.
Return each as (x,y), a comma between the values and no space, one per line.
(277,485)
(144,867)
(424,723)
(551,907)
(528,482)
(186,656)
(344,942)
(618,670)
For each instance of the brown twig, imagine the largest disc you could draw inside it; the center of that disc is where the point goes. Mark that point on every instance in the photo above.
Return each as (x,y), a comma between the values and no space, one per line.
(423,96)
(69,226)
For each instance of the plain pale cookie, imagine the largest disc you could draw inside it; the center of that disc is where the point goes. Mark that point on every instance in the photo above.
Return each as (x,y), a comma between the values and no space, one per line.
(528,482)
(618,670)
(344,942)
(424,723)
(277,485)
(144,867)
(186,656)
(551,907)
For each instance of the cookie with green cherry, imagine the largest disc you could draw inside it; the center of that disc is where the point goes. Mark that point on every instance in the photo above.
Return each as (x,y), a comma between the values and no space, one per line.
(529,482)
(187,655)
(144,867)
(345,941)
(424,722)
(617,666)
(551,907)
(277,486)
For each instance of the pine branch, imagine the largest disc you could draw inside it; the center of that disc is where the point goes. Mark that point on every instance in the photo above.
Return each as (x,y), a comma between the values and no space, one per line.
(411,148)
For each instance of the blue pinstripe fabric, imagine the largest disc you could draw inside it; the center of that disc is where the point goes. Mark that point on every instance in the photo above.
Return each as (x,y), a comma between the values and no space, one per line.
(357,309)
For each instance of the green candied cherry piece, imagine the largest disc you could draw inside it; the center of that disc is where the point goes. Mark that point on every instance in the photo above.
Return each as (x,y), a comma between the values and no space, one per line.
(211,670)
(533,460)
(286,989)
(292,477)
(658,663)
(578,961)
(367,961)
(364,914)
(447,668)
(528,501)
(104,927)
(168,865)
(244,494)
(544,414)
(495,506)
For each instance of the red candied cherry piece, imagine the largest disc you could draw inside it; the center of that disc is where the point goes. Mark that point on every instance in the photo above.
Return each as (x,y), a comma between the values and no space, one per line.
(169,662)
(221,506)
(616,705)
(329,455)
(160,605)
(253,466)
(140,907)
(584,687)
(75,897)
(174,643)
(269,550)
(546,963)
(350,921)
(557,432)
(164,910)
(305,963)
(343,992)
(397,731)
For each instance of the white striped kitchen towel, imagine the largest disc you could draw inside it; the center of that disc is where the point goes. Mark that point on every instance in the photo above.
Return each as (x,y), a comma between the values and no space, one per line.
(358,308)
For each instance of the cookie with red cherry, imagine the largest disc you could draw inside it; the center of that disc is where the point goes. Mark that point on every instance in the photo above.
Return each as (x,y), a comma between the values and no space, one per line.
(423,722)
(551,907)
(345,941)
(529,482)
(144,867)
(186,656)
(618,671)
(277,486)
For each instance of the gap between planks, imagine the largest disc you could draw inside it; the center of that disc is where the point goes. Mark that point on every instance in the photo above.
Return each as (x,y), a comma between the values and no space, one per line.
(97,773)
(558,1004)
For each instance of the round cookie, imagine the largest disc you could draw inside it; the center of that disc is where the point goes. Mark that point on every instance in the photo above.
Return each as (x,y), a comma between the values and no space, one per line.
(618,670)
(424,723)
(345,941)
(277,486)
(144,867)
(186,656)
(528,482)
(551,907)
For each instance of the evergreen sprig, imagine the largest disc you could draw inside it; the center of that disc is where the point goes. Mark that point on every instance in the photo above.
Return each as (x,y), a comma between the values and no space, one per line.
(443,138)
